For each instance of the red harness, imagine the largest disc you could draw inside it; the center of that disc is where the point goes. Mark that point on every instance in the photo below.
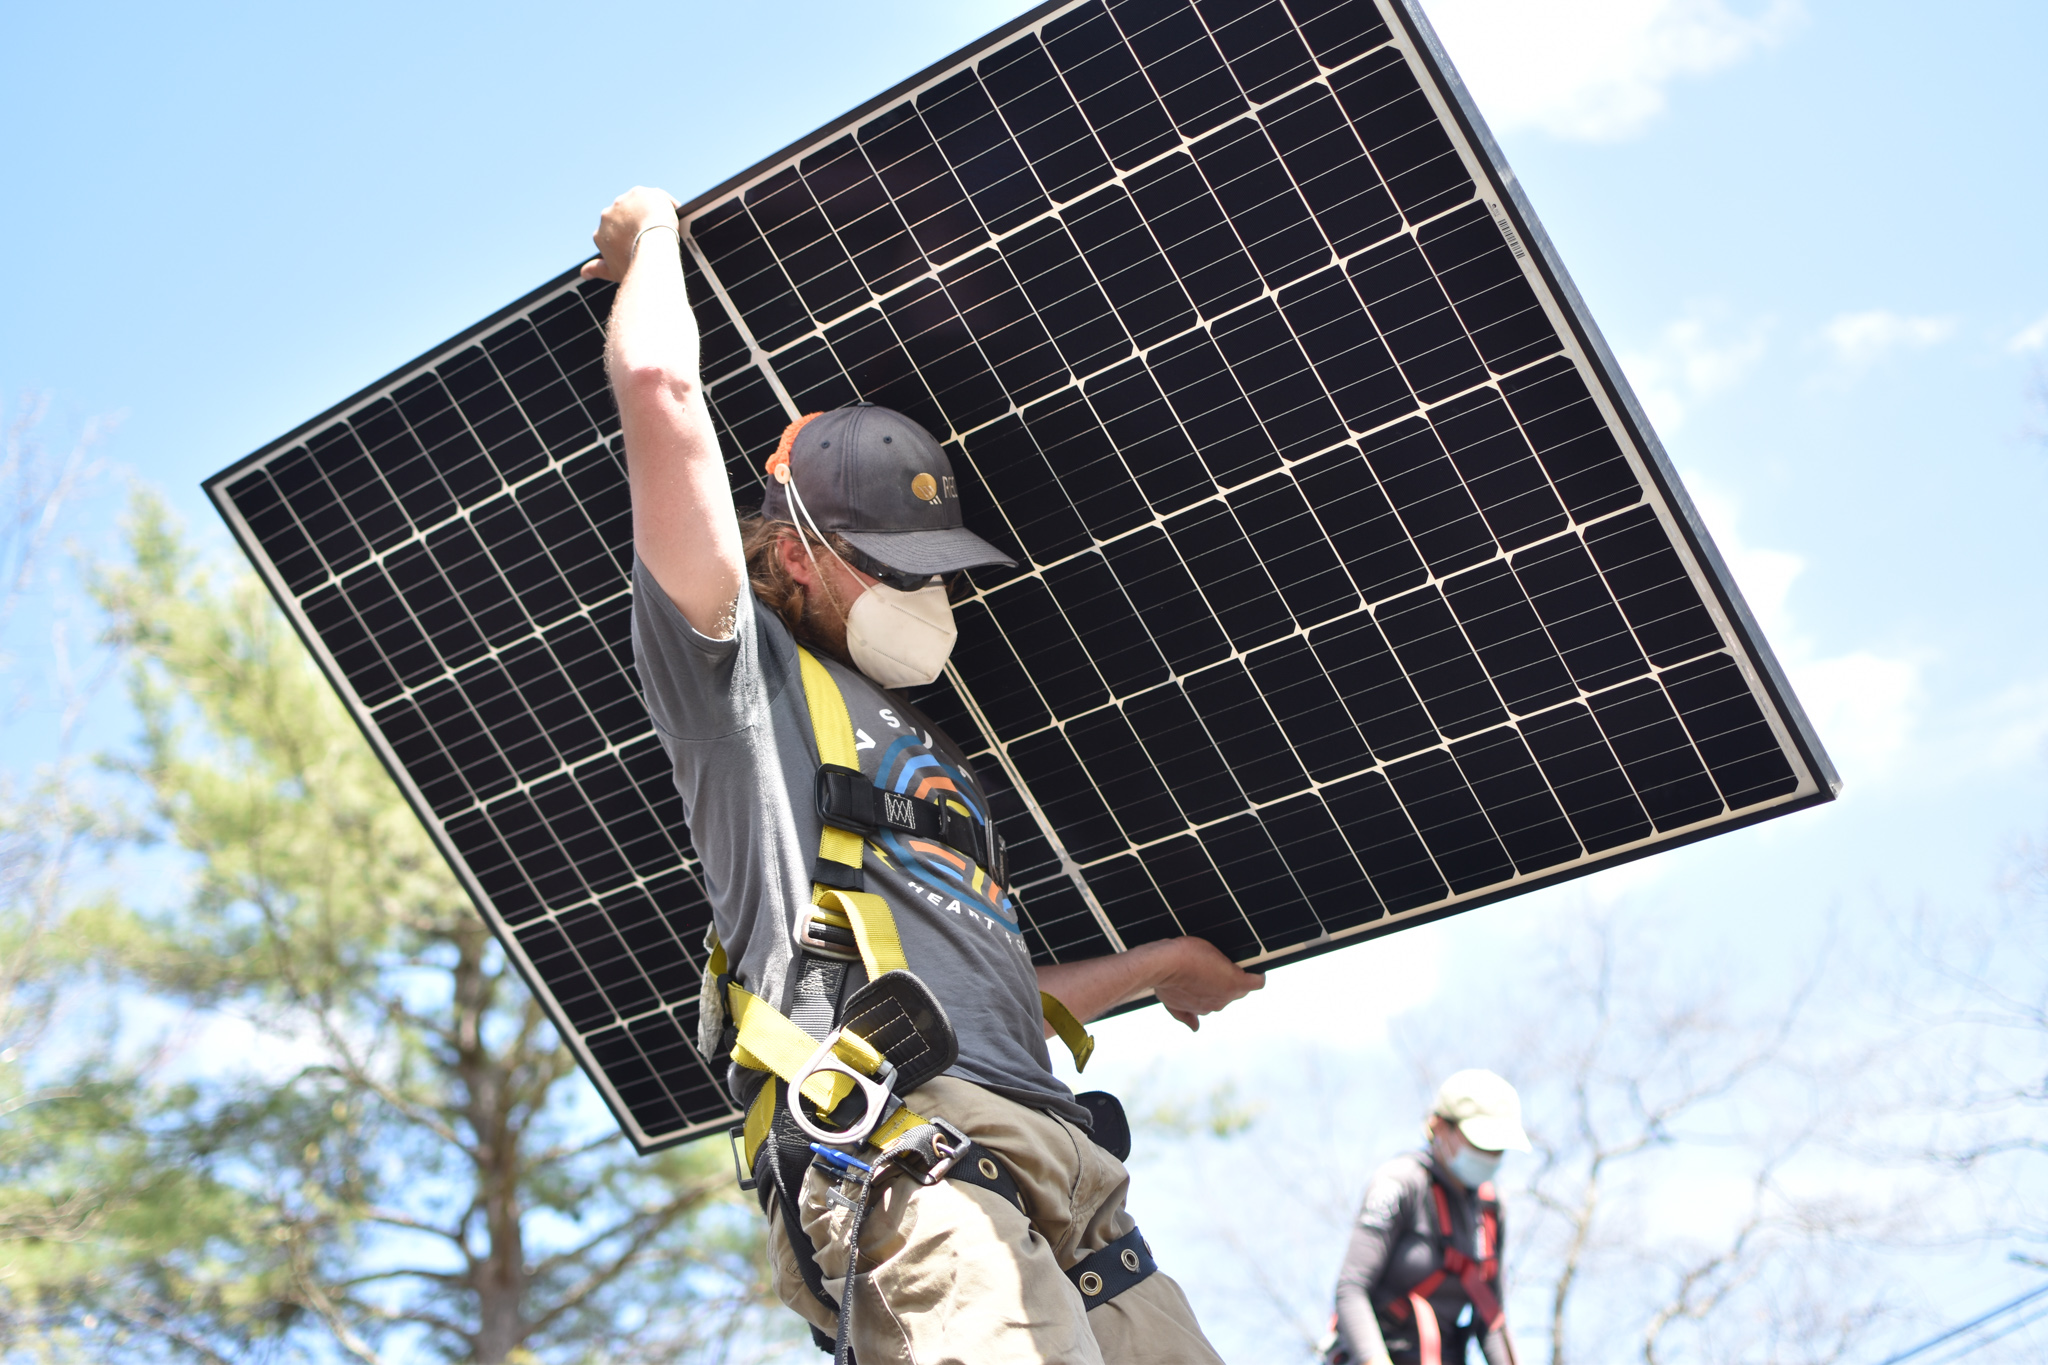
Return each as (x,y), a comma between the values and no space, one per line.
(1479,1277)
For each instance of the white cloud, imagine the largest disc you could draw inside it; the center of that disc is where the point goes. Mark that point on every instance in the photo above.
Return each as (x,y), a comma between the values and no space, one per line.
(1863,703)
(1857,339)
(1596,69)
(2010,730)
(2033,337)
(1687,364)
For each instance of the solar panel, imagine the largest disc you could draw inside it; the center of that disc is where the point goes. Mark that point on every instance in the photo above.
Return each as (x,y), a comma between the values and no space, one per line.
(1353,589)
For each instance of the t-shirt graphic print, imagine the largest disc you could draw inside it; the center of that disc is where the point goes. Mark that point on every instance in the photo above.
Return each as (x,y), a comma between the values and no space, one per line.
(908,763)
(733,720)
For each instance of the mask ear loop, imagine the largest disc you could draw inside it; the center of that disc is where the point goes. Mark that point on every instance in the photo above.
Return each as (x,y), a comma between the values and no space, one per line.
(786,477)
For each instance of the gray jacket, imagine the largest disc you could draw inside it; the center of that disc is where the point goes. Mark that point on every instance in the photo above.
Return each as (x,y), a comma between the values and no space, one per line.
(1396,1244)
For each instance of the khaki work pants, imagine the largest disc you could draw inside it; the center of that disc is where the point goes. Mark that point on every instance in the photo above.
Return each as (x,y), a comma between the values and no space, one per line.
(952,1273)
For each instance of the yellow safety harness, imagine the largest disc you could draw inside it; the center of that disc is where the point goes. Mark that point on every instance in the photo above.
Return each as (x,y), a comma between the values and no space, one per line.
(765,1039)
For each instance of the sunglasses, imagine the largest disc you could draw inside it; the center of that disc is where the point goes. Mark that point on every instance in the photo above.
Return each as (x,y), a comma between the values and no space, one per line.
(895,578)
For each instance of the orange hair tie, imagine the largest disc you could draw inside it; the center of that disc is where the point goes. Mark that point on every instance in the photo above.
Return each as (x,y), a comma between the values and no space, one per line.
(779,461)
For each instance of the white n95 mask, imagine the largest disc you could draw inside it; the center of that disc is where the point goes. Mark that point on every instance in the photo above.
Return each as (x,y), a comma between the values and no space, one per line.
(1473,1168)
(901,639)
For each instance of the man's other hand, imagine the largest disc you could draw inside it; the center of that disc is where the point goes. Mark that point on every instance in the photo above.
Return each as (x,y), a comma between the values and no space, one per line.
(1197,979)
(1190,976)
(631,214)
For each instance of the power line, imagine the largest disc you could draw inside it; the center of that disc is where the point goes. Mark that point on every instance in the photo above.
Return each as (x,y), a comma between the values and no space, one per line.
(1971,1347)
(1954,1332)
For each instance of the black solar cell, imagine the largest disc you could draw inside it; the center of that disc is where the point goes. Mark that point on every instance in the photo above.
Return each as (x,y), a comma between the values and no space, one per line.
(1352,589)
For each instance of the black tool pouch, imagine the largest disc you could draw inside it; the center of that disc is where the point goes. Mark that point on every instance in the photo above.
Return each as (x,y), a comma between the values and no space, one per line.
(898,1016)
(1110,1129)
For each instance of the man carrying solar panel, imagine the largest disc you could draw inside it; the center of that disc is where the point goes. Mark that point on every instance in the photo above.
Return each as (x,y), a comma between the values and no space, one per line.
(868,958)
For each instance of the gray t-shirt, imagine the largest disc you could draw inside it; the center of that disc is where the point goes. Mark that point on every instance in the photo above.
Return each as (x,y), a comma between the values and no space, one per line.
(732,716)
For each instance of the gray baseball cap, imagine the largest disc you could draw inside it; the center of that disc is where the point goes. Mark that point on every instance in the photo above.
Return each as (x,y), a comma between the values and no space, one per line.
(880,480)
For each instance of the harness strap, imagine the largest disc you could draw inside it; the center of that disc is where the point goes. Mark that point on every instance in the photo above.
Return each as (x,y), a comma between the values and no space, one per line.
(848,800)
(1079,1040)
(833,729)
(1477,1277)
(769,1042)
(1108,1271)
(977,1165)
(844,919)
(779,1171)
(867,915)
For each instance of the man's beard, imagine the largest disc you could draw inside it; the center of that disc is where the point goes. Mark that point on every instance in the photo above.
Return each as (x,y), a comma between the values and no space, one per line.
(824,621)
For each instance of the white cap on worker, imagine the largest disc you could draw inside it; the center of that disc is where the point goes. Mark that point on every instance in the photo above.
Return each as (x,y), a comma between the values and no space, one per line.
(1486,1109)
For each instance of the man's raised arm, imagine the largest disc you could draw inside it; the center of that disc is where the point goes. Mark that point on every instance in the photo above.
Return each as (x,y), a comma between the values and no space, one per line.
(683,522)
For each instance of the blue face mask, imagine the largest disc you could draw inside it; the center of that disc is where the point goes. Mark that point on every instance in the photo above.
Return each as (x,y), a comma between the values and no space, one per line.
(1472,1167)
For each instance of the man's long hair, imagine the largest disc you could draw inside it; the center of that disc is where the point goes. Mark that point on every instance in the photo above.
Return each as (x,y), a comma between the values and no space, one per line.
(770,578)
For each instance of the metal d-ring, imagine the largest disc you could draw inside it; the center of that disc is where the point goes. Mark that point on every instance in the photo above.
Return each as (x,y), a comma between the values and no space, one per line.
(876,1094)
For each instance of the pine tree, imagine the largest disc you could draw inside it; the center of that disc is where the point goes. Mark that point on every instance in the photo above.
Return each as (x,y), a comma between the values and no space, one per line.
(388,1148)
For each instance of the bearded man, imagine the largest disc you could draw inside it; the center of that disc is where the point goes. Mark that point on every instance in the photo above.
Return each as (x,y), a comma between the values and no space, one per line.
(933,1191)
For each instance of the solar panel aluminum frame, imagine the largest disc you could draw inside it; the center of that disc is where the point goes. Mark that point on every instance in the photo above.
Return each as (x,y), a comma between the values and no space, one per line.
(1710,570)
(1820,782)
(1567,313)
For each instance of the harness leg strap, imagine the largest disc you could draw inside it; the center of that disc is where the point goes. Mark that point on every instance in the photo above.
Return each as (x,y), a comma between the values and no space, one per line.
(977,1165)
(1103,1274)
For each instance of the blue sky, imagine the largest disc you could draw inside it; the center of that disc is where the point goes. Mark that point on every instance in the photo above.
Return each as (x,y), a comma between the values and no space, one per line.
(1811,231)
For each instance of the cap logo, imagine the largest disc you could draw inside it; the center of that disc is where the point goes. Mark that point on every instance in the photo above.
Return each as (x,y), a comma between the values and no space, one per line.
(924,488)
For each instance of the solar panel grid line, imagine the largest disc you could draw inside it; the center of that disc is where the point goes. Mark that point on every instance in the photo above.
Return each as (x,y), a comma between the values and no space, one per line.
(540,633)
(1610,388)
(1072,870)
(1188,141)
(334,578)
(1255,805)
(1220,499)
(769,367)
(825,324)
(1001,752)
(422,532)
(492,651)
(1032,806)
(406,690)
(1172,680)
(760,362)
(1709,591)
(1354,588)
(1134,843)
(436,829)
(1197,826)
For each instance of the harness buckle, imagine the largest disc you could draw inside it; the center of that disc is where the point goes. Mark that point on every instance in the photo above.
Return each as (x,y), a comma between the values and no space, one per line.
(846,798)
(826,940)
(736,1139)
(876,1092)
(947,1148)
